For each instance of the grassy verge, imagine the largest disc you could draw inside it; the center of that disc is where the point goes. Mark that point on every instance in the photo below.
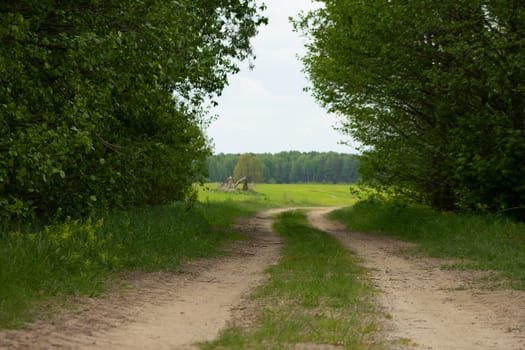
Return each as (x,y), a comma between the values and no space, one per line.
(315,295)
(486,243)
(78,257)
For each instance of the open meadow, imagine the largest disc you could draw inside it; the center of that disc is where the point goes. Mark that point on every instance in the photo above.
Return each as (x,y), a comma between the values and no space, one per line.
(283,195)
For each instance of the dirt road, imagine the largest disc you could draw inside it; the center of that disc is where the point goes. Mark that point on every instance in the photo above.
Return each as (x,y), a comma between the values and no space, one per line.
(162,310)
(430,308)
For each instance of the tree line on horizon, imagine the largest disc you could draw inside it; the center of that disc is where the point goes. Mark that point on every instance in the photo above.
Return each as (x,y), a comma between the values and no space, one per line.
(288,167)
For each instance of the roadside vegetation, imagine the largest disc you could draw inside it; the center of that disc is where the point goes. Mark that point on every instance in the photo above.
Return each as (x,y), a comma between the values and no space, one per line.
(317,295)
(102,110)
(481,242)
(78,257)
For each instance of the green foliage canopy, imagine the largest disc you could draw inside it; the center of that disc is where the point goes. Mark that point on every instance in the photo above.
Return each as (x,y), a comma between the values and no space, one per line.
(248,166)
(435,91)
(102,103)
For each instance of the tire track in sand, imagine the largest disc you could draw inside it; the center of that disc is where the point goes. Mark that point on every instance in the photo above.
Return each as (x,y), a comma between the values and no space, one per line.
(432,308)
(162,310)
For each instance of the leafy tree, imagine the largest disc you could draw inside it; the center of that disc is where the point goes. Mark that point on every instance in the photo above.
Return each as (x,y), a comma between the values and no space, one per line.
(102,103)
(248,166)
(435,91)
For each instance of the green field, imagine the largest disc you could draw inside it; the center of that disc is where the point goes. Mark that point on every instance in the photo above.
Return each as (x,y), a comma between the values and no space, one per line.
(284,195)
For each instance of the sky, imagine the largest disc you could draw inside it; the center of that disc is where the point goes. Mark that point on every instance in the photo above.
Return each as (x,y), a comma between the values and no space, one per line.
(265,110)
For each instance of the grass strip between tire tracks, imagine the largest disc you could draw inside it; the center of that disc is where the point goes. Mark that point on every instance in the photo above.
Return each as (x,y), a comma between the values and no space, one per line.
(317,297)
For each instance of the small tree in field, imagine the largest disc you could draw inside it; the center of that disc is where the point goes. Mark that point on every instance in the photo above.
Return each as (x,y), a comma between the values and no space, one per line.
(250,167)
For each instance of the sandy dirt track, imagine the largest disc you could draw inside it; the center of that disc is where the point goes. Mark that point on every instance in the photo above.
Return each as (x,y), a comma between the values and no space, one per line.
(430,308)
(162,310)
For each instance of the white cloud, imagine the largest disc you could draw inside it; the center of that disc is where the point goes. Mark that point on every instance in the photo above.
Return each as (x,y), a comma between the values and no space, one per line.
(265,110)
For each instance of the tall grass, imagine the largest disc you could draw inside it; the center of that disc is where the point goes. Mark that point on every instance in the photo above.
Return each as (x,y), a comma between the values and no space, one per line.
(485,243)
(78,257)
(316,295)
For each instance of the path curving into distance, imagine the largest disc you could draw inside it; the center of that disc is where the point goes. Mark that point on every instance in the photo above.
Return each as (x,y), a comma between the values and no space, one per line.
(430,308)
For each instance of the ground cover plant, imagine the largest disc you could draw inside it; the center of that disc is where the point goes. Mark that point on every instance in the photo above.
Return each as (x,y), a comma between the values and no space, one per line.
(484,242)
(77,257)
(315,295)
(284,195)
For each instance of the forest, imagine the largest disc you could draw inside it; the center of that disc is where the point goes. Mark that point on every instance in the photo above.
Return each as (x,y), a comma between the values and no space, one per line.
(291,167)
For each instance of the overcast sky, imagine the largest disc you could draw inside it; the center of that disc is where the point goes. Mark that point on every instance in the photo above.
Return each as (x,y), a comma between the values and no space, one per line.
(265,110)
